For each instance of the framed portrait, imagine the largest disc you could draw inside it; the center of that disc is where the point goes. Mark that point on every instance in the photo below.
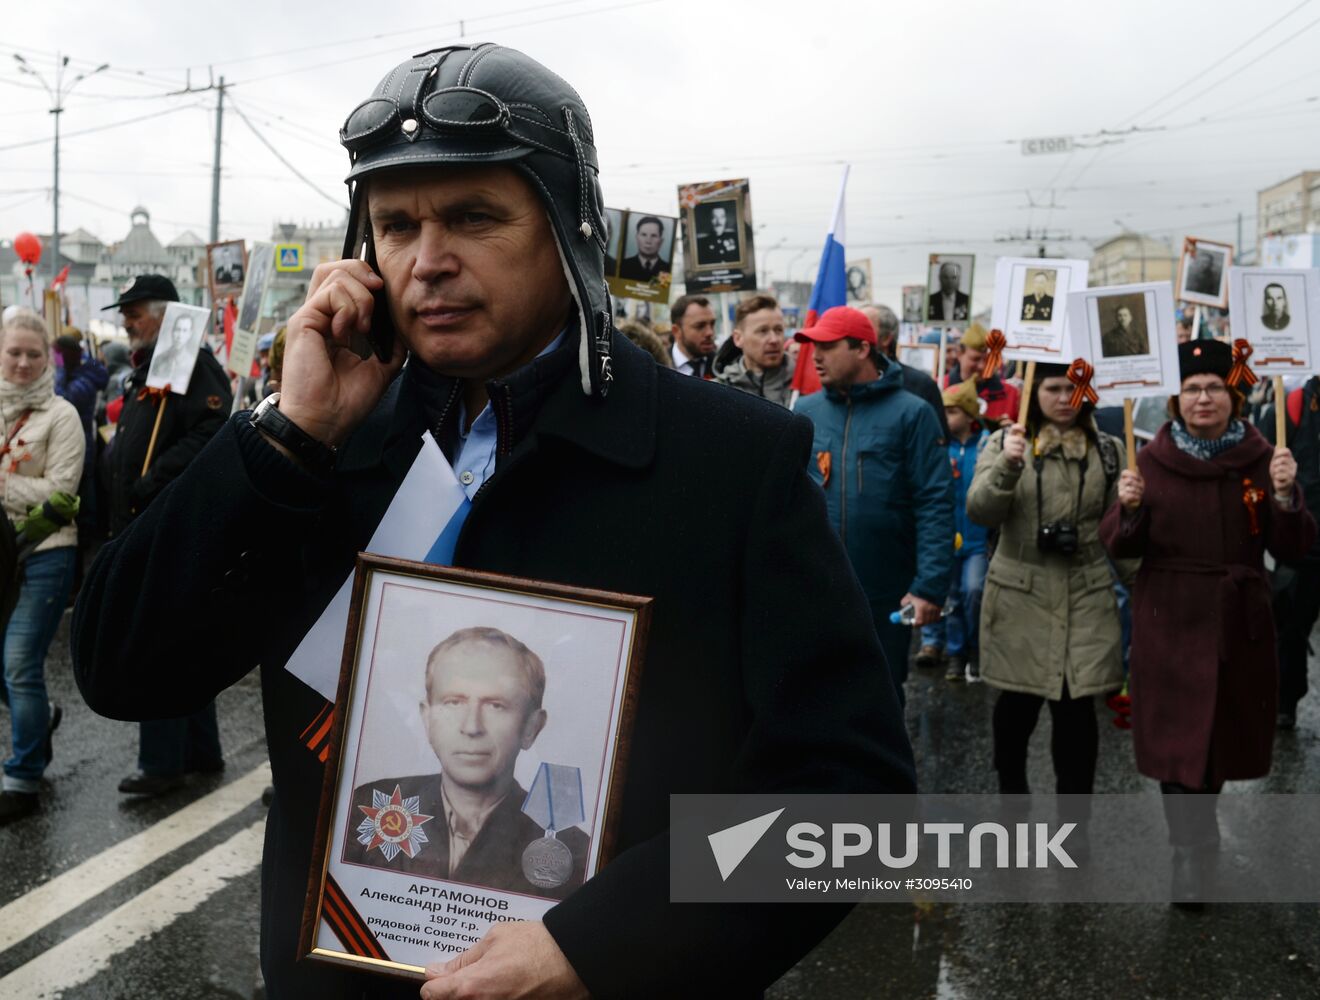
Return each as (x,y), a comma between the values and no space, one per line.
(480,738)
(924,357)
(614,223)
(857,274)
(1129,335)
(1031,306)
(1277,310)
(1203,272)
(717,236)
(1149,414)
(181,331)
(645,269)
(949,288)
(914,303)
(226,268)
(260,269)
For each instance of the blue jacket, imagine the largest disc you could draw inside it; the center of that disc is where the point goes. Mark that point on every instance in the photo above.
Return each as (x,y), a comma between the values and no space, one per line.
(876,452)
(962,464)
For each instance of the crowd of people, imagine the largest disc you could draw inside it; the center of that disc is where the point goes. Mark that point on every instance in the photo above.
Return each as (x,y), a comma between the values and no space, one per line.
(1003,542)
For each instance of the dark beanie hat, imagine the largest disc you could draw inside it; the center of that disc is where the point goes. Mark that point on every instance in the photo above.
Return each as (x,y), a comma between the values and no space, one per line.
(1204,357)
(1047,369)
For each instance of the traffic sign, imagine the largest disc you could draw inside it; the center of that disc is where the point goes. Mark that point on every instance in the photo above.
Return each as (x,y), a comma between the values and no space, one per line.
(289,256)
(1049,144)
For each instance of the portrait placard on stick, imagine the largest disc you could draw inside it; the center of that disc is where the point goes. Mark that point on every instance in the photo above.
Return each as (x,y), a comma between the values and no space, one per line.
(261,267)
(479,739)
(1203,272)
(1031,294)
(858,276)
(640,254)
(181,331)
(717,236)
(1277,311)
(226,266)
(1129,335)
(949,288)
(914,303)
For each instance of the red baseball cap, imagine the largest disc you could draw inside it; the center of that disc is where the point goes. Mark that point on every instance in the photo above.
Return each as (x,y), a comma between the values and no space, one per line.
(836,324)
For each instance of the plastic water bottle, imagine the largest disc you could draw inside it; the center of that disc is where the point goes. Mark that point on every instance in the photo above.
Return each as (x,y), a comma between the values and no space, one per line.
(907,614)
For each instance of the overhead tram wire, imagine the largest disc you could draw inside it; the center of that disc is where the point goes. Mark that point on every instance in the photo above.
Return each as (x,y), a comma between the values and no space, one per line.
(337,202)
(103,128)
(1218,62)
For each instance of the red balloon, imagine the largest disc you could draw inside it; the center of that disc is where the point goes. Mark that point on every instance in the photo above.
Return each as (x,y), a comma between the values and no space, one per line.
(28,247)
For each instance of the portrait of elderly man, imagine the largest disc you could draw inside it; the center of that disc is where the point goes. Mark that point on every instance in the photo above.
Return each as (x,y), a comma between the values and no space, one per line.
(1274,313)
(949,303)
(1126,337)
(646,264)
(482,708)
(1038,304)
(175,353)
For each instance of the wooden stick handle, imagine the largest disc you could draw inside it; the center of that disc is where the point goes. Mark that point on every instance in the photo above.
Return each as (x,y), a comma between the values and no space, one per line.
(1280,413)
(151,445)
(1129,437)
(1028,387)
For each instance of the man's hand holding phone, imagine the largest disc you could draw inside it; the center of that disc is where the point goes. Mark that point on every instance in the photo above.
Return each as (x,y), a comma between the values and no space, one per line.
(327,389)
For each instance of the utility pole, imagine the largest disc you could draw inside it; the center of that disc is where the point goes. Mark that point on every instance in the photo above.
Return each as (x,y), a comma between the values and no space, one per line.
(215,169)
(56,108)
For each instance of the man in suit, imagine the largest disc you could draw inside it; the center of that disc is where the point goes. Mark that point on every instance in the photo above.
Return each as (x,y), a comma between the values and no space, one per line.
(584,462)
(720,245)
(1275,315)
(1038,306)
(646,264)
(1125,339)
(948,304)
(484,690)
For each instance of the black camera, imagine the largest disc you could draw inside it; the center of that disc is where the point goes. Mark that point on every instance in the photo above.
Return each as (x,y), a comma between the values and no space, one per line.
(1058,536)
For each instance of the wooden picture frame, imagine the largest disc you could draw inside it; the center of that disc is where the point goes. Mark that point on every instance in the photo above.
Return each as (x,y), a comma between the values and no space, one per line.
(383,894)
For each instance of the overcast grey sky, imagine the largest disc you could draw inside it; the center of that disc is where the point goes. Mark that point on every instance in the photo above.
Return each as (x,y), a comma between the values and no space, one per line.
(927,102)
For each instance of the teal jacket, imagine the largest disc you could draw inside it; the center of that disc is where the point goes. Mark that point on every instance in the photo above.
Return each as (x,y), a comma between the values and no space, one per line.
(878,455)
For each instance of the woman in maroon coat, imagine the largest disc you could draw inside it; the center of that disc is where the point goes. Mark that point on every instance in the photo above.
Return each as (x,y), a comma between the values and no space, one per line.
(1209,498)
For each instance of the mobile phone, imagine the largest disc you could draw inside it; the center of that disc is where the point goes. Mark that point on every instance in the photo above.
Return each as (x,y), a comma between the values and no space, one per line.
(358,243)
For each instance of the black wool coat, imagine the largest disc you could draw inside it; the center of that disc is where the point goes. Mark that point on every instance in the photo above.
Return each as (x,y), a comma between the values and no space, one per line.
(763,671)
(189,421)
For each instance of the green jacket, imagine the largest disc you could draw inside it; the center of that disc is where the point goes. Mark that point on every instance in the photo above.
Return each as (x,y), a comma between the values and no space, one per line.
(1047,617)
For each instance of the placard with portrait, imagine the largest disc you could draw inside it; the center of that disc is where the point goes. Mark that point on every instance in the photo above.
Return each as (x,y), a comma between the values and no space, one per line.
(1129,335)
(642,262)
(1203,272)
(480,740)
(1030,308)
(1277,311)
(718,255)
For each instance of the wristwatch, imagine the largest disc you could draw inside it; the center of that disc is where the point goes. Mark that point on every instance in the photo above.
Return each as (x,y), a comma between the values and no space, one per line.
(267,418)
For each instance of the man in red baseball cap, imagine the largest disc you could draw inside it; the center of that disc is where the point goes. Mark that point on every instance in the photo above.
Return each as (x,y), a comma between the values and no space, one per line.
(878,455)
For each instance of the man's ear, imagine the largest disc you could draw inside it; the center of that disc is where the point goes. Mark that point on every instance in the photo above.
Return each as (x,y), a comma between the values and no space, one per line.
(737,338)
(532,728)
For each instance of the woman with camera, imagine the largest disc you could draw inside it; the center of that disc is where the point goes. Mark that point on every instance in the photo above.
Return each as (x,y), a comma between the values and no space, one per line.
(1049,617)
(1209,497)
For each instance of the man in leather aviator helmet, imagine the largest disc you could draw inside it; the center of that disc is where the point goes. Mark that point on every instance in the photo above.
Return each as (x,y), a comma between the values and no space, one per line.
(474,192)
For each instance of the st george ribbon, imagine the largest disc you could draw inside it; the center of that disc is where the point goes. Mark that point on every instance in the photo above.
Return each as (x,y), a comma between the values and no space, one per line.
(417,521)
(554,802)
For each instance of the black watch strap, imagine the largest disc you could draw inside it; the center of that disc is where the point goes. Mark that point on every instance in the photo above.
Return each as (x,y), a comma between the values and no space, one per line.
(314,454)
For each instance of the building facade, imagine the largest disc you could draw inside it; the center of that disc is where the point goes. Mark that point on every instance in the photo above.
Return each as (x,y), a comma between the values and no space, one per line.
(1289,207)
(1130,258)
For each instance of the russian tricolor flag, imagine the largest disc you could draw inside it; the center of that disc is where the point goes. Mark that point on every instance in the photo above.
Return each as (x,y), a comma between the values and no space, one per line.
(830,290)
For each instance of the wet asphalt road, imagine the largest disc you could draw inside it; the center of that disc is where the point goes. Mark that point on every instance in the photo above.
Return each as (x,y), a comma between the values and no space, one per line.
(104,932)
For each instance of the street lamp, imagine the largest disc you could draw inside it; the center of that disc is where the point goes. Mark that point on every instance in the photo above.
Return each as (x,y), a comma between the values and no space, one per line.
(57,96)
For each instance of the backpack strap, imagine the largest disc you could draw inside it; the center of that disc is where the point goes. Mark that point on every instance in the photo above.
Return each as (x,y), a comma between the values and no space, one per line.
(1108,458)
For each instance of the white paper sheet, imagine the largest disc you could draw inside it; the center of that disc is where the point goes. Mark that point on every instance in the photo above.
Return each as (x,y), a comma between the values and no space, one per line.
(427,498)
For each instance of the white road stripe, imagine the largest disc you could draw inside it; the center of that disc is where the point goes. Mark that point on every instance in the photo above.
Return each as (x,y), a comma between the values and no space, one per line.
(64,893)
(78,958)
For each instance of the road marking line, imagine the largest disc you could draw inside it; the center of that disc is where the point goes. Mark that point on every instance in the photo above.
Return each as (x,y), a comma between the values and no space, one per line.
(78,958)
(64,893)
